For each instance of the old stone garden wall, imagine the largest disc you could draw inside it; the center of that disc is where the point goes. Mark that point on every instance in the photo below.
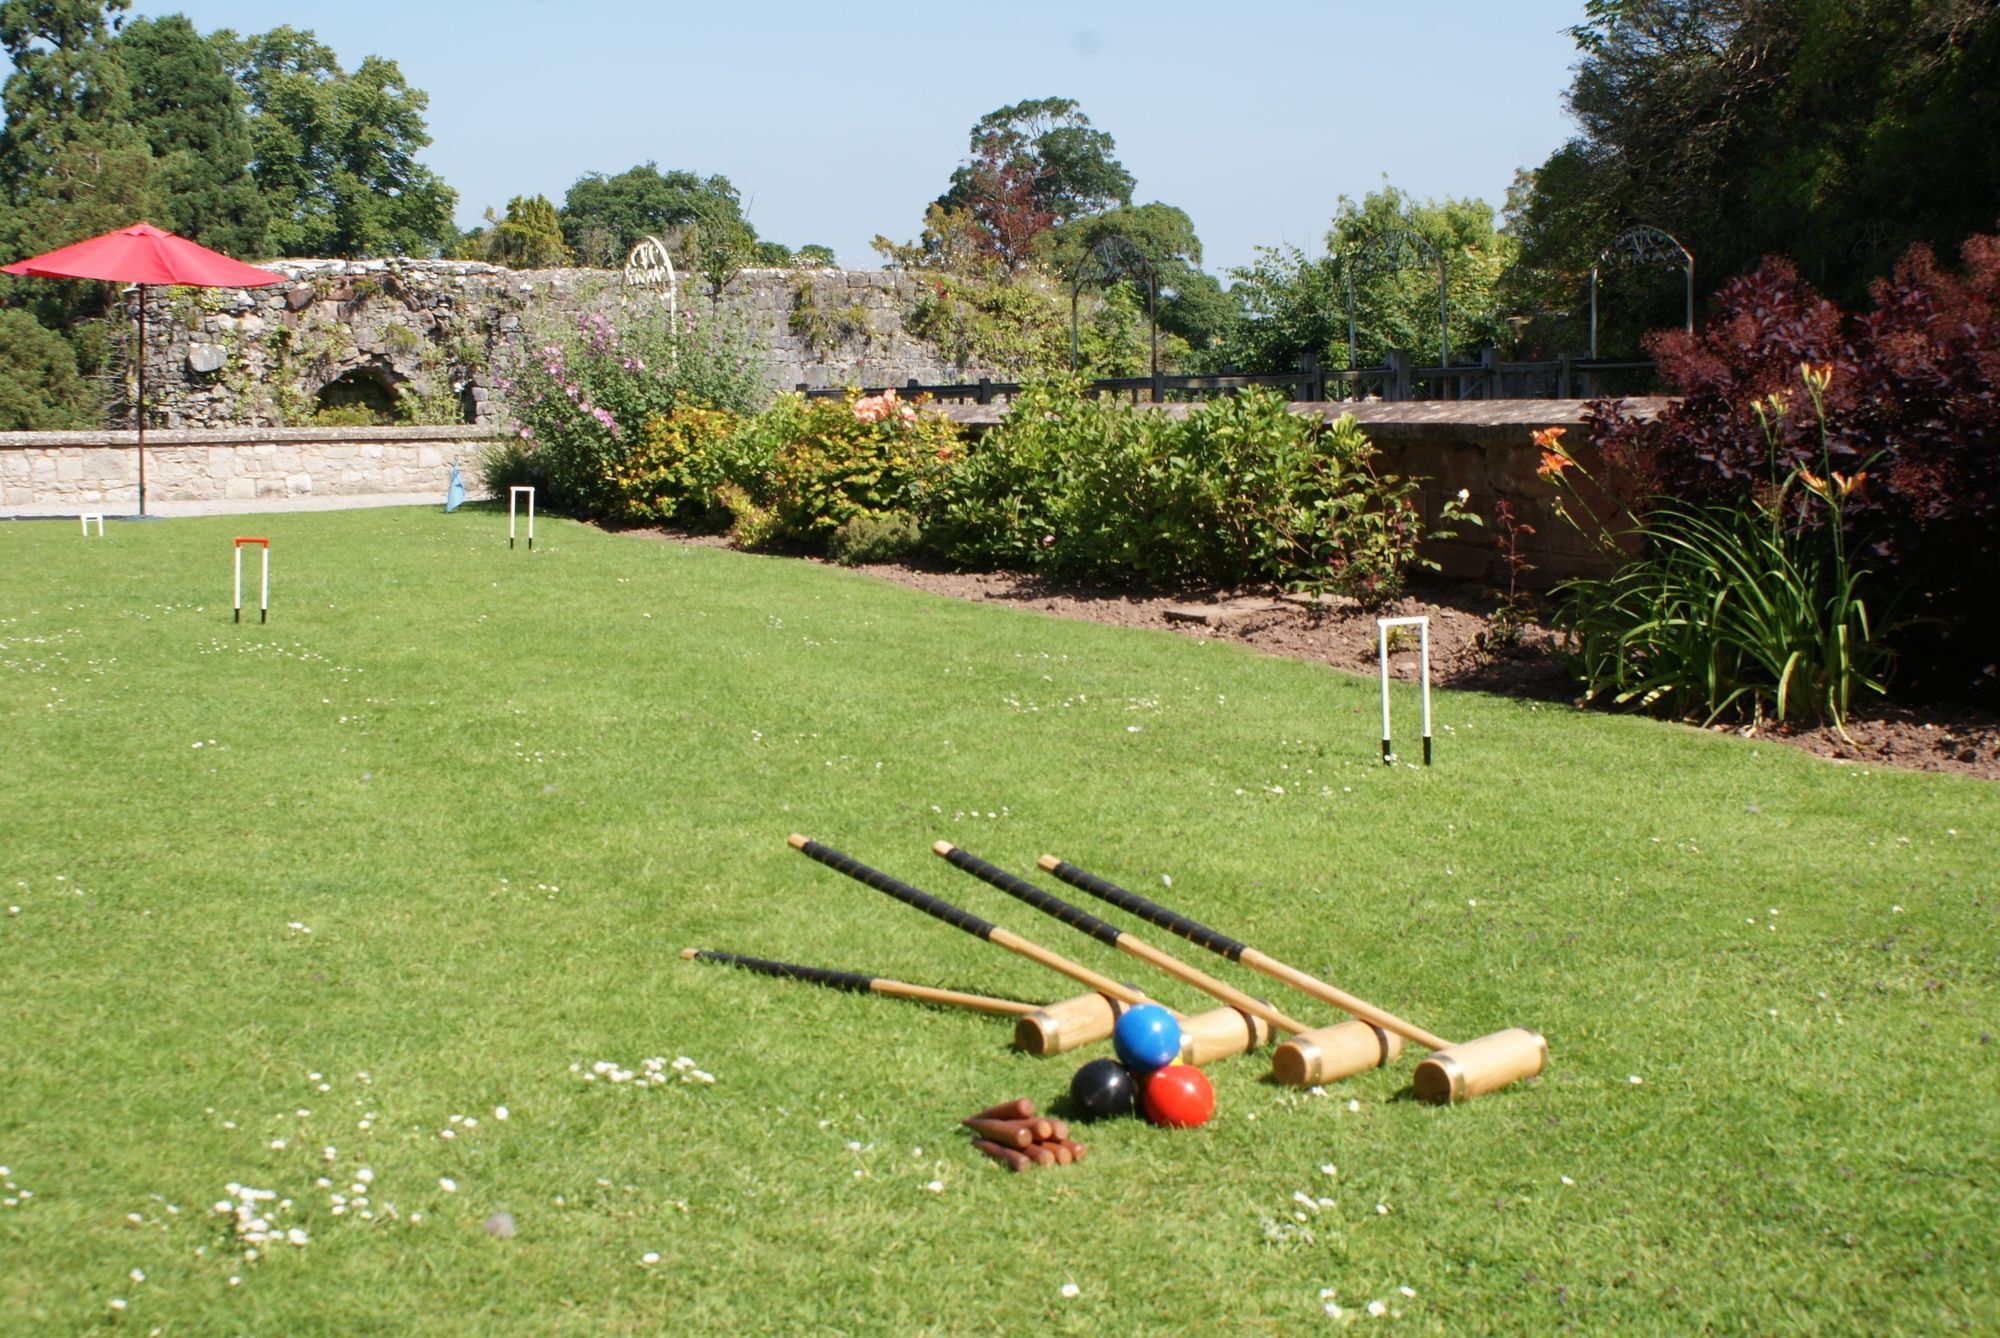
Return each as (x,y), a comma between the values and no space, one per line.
(343,332)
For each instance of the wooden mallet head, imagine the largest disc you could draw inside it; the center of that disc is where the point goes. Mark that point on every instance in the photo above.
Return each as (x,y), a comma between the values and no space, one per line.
(1328,1054)
(1473,1068)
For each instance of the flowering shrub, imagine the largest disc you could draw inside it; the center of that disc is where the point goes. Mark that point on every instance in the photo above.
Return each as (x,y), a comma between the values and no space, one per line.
(815,464)
(1241,489)
(578,395)
(1915,382)
(674,474)
(1756,609)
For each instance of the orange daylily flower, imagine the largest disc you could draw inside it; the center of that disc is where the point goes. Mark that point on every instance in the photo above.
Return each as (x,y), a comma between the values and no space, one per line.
(1554,458)
(1847,485)
(1817,376)
(1813,481)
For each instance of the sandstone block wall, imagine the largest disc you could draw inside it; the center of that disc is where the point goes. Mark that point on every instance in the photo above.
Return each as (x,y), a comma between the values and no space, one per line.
(98,471)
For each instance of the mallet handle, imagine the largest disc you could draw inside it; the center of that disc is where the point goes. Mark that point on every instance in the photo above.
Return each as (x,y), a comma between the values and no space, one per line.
(1098,929)
(1208,938)
(1150,911)
(852,980)
(959,919)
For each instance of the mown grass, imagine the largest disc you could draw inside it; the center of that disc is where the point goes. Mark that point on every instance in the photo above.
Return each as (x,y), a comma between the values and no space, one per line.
(502,790)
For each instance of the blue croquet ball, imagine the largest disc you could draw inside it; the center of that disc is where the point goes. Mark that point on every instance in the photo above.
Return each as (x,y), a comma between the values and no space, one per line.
(1147,1038)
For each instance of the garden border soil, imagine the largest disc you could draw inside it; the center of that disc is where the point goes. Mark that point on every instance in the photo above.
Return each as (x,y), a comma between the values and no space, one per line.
(1467,652)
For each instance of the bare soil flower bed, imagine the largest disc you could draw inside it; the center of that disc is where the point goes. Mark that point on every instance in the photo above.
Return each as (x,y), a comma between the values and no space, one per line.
(1467,652)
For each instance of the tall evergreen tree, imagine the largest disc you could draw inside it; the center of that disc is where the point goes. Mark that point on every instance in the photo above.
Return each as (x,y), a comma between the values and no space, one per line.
(71,163)
(192,115)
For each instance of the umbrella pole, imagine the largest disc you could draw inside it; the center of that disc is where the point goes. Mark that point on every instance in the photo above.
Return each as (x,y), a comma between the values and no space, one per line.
(142,400)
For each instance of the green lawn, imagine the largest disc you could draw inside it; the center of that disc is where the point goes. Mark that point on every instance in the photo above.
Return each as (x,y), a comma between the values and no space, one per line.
(437,833)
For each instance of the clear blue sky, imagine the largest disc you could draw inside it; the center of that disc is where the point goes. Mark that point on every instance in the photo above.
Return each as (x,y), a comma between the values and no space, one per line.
(837,121)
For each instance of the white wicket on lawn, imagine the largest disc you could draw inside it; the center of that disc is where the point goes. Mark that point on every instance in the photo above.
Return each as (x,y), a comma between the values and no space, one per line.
(512,494)
(89,516)
(264,594)
(1423,626)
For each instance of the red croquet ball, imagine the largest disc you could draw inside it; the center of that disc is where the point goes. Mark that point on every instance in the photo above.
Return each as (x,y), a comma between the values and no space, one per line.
(1178,1097)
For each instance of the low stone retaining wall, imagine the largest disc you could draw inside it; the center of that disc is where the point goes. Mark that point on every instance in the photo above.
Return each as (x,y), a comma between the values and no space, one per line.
(1482,447)
(44,471)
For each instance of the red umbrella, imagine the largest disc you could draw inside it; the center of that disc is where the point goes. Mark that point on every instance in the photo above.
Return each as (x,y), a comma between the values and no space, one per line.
(143,254)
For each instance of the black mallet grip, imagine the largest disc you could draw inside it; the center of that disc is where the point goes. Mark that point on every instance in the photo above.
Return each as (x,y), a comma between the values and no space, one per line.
(1073,916)
(895,887)
(1150,911)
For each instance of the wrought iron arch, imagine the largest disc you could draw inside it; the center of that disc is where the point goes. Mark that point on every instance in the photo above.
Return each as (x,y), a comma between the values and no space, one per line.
(1642,244)
(1397,249)
(1112,259)
(649,266)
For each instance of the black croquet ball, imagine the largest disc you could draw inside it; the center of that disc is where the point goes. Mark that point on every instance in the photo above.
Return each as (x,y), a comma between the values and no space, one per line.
(1102,1089)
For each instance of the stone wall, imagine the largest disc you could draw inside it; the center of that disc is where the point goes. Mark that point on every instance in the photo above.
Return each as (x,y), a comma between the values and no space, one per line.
(45,472)
(362,330)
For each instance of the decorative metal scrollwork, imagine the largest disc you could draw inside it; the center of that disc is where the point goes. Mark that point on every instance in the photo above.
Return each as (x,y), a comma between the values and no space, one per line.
(1112,259)
(1388,251)
(1642,244)
(649,266)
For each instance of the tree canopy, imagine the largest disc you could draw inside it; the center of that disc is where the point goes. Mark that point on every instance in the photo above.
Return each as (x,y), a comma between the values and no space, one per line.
(335,151)
(603,216)
(1032,166)
(192,115)
(1835,132)
(72,164)
(1389,247)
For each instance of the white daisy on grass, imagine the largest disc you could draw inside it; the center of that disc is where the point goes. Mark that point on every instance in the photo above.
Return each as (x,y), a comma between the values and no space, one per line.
(1069,1291)
(447,1184)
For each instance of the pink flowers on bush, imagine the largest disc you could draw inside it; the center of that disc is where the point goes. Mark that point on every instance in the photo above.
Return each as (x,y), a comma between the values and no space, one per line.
(883,407)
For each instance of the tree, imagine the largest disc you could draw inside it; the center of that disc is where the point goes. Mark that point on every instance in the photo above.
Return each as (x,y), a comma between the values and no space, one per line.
(1004,201)
(39,388)
(530,237)
(1050,142)
(1396,306)
(1192,304)
(603,217)
(71,164)
(335,152)
(814,256)
(1296,305)
(718,243)
(191,113)
(1835,132)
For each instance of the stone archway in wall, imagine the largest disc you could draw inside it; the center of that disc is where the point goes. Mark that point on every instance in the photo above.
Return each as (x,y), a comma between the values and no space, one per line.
(371,387)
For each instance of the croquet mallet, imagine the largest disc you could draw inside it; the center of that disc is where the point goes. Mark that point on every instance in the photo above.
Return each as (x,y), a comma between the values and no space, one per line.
(1341,1050)
(1218,1033)
(1450,1074)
